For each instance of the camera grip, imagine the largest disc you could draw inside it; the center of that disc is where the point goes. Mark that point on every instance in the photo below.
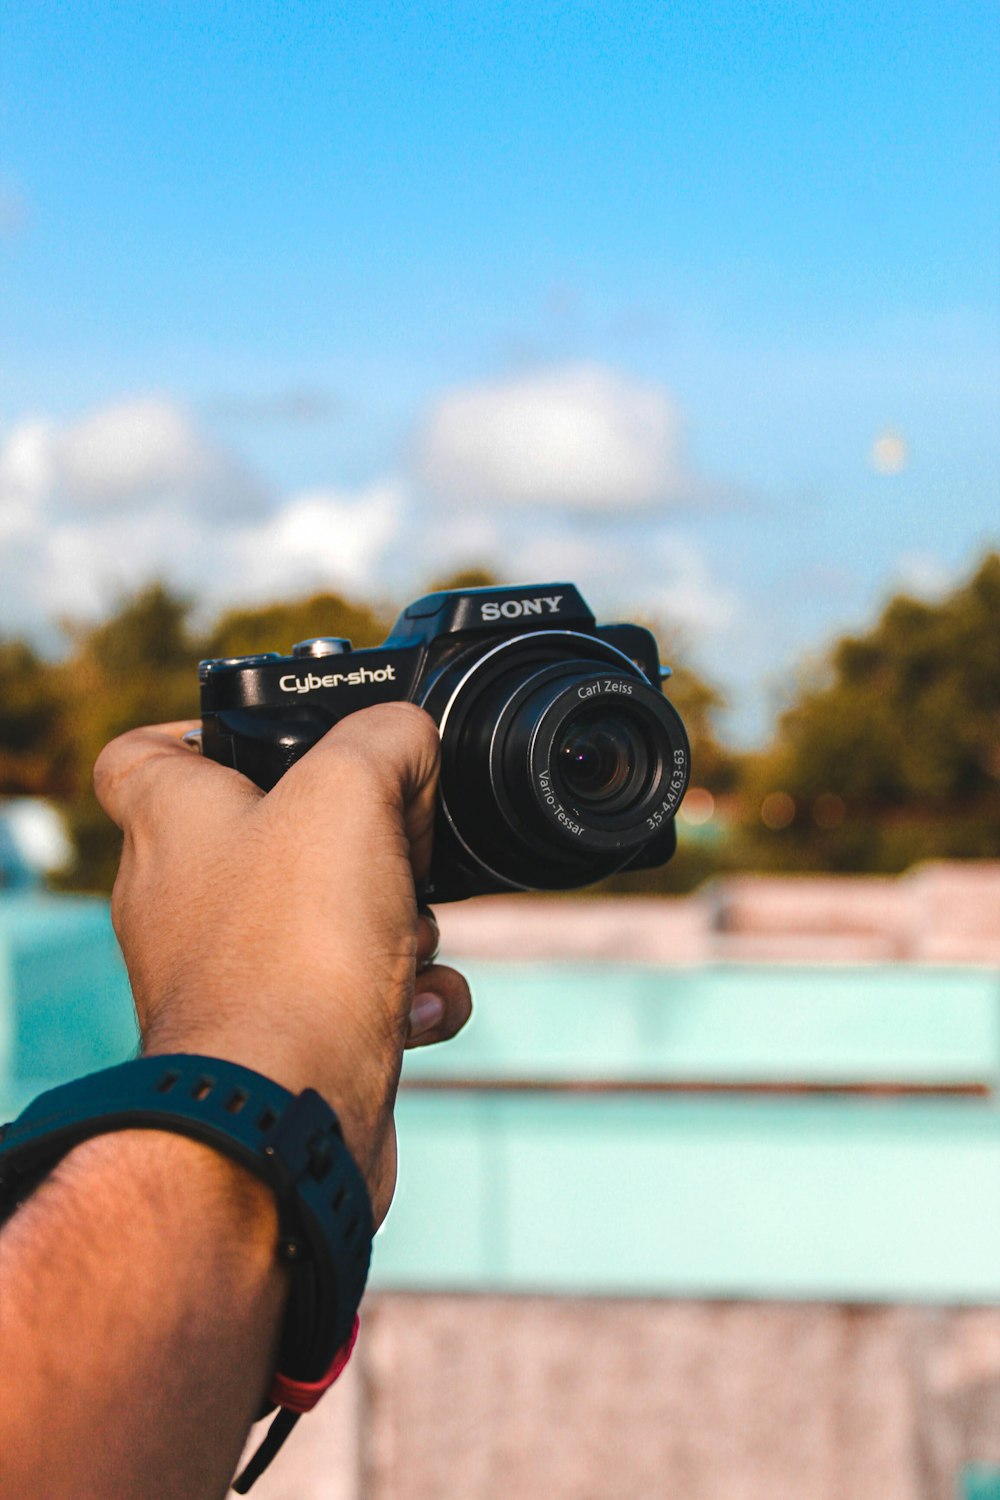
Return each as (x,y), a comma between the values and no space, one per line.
(263,748)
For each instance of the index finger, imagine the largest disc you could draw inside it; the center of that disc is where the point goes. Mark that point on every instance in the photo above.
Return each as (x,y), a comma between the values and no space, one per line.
(385,755)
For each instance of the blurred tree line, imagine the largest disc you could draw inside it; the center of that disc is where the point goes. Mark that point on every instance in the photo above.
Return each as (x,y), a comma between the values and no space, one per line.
(888,752)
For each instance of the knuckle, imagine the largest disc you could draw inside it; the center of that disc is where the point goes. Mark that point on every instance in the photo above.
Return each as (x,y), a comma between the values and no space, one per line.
(114,762)
(407,719)
(413,711)
(423,728)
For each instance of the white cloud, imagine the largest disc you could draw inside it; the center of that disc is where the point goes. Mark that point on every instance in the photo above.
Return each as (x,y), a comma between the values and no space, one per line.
(623,566)
(570,473)
(27,476)
(97,507)
(136,490)
(582,437)
(125,454)
(320,539)
(77,565)
(657,571)
(684,591)
(137,452)
(926,576)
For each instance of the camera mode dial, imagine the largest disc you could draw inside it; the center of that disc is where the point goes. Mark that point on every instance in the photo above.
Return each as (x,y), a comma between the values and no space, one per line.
(322,645)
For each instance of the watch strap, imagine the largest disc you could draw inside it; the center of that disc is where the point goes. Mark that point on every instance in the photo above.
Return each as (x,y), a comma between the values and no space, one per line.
(291,1142)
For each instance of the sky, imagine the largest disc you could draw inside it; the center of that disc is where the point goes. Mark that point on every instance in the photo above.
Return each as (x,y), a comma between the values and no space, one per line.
(695,305)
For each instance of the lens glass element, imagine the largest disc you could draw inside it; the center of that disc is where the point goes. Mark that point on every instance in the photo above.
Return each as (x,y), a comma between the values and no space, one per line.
(601,756)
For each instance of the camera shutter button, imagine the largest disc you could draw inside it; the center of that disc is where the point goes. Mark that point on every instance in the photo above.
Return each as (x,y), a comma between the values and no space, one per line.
(322,645)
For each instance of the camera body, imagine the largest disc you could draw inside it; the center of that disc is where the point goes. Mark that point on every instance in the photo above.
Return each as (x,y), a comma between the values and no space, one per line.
(561,760)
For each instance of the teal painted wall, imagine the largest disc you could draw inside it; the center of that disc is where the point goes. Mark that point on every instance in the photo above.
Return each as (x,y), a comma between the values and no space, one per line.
(656,1195)
(980,1482)
(739,1023)
(829,1198)
(65,1003)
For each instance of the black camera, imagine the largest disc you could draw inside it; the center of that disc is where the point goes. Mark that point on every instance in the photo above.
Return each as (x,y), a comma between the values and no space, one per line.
(561,760)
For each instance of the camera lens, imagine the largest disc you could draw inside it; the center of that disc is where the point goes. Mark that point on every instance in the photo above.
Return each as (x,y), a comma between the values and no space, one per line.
(559,760)
(601,756)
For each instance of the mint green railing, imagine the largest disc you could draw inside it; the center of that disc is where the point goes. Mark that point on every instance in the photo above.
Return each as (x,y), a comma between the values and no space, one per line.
(744,1131)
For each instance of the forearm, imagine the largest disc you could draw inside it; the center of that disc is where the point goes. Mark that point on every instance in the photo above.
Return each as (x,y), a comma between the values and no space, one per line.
(140,1306)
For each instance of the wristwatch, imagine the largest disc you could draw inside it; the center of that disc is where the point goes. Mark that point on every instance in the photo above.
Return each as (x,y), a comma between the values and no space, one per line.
(290,1141)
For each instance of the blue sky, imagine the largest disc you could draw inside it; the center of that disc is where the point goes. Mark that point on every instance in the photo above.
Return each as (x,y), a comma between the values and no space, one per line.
(303,252)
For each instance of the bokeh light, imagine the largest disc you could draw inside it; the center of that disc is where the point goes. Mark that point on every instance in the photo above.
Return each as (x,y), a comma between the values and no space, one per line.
(698,806)
(890,452)
(777,810)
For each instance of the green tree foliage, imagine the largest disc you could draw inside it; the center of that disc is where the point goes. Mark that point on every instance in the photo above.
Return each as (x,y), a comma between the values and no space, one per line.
(892,753)
(137,667)
(30,722)
(465,578)
(889,754)
(276,627)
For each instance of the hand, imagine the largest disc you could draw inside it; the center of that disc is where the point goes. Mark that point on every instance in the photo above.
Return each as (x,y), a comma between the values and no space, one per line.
(281,931)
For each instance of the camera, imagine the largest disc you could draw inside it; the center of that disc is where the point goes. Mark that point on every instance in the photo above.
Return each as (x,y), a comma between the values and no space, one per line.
(561,760)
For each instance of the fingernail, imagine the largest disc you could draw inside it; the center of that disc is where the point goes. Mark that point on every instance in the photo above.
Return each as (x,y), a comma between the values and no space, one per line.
(428,916)
(427,1012)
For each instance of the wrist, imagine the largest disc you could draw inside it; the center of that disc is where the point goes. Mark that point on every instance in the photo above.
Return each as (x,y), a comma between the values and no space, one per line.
(235,1206)
(357,1100)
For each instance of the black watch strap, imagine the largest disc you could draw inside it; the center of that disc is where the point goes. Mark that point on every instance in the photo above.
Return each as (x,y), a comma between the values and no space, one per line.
(292,1142)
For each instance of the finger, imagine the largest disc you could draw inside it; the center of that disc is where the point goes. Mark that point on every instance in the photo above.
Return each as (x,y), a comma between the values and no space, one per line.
(442,1004)
(145,767)
(394,748)
(428,938)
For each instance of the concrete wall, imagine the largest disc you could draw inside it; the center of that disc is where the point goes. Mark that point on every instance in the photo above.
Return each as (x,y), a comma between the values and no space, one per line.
(947,912)
(487,1398)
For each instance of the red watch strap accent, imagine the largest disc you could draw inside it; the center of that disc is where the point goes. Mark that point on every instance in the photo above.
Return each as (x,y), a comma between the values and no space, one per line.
(301,1395)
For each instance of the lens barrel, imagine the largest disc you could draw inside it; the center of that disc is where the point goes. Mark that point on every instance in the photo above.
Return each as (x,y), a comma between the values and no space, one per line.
(559,759)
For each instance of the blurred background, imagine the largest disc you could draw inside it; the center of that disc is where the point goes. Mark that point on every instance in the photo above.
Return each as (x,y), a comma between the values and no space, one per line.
(307,309)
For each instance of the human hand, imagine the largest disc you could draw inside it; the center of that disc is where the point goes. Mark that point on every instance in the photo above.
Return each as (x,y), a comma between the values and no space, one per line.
(281,930)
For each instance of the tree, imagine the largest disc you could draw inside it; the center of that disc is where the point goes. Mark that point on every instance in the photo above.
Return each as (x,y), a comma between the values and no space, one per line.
(276,627)
(466,578)
(892,752)
(137,667)
(30,722)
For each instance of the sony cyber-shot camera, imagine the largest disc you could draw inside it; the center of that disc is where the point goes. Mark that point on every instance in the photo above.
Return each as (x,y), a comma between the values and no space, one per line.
(561,760)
